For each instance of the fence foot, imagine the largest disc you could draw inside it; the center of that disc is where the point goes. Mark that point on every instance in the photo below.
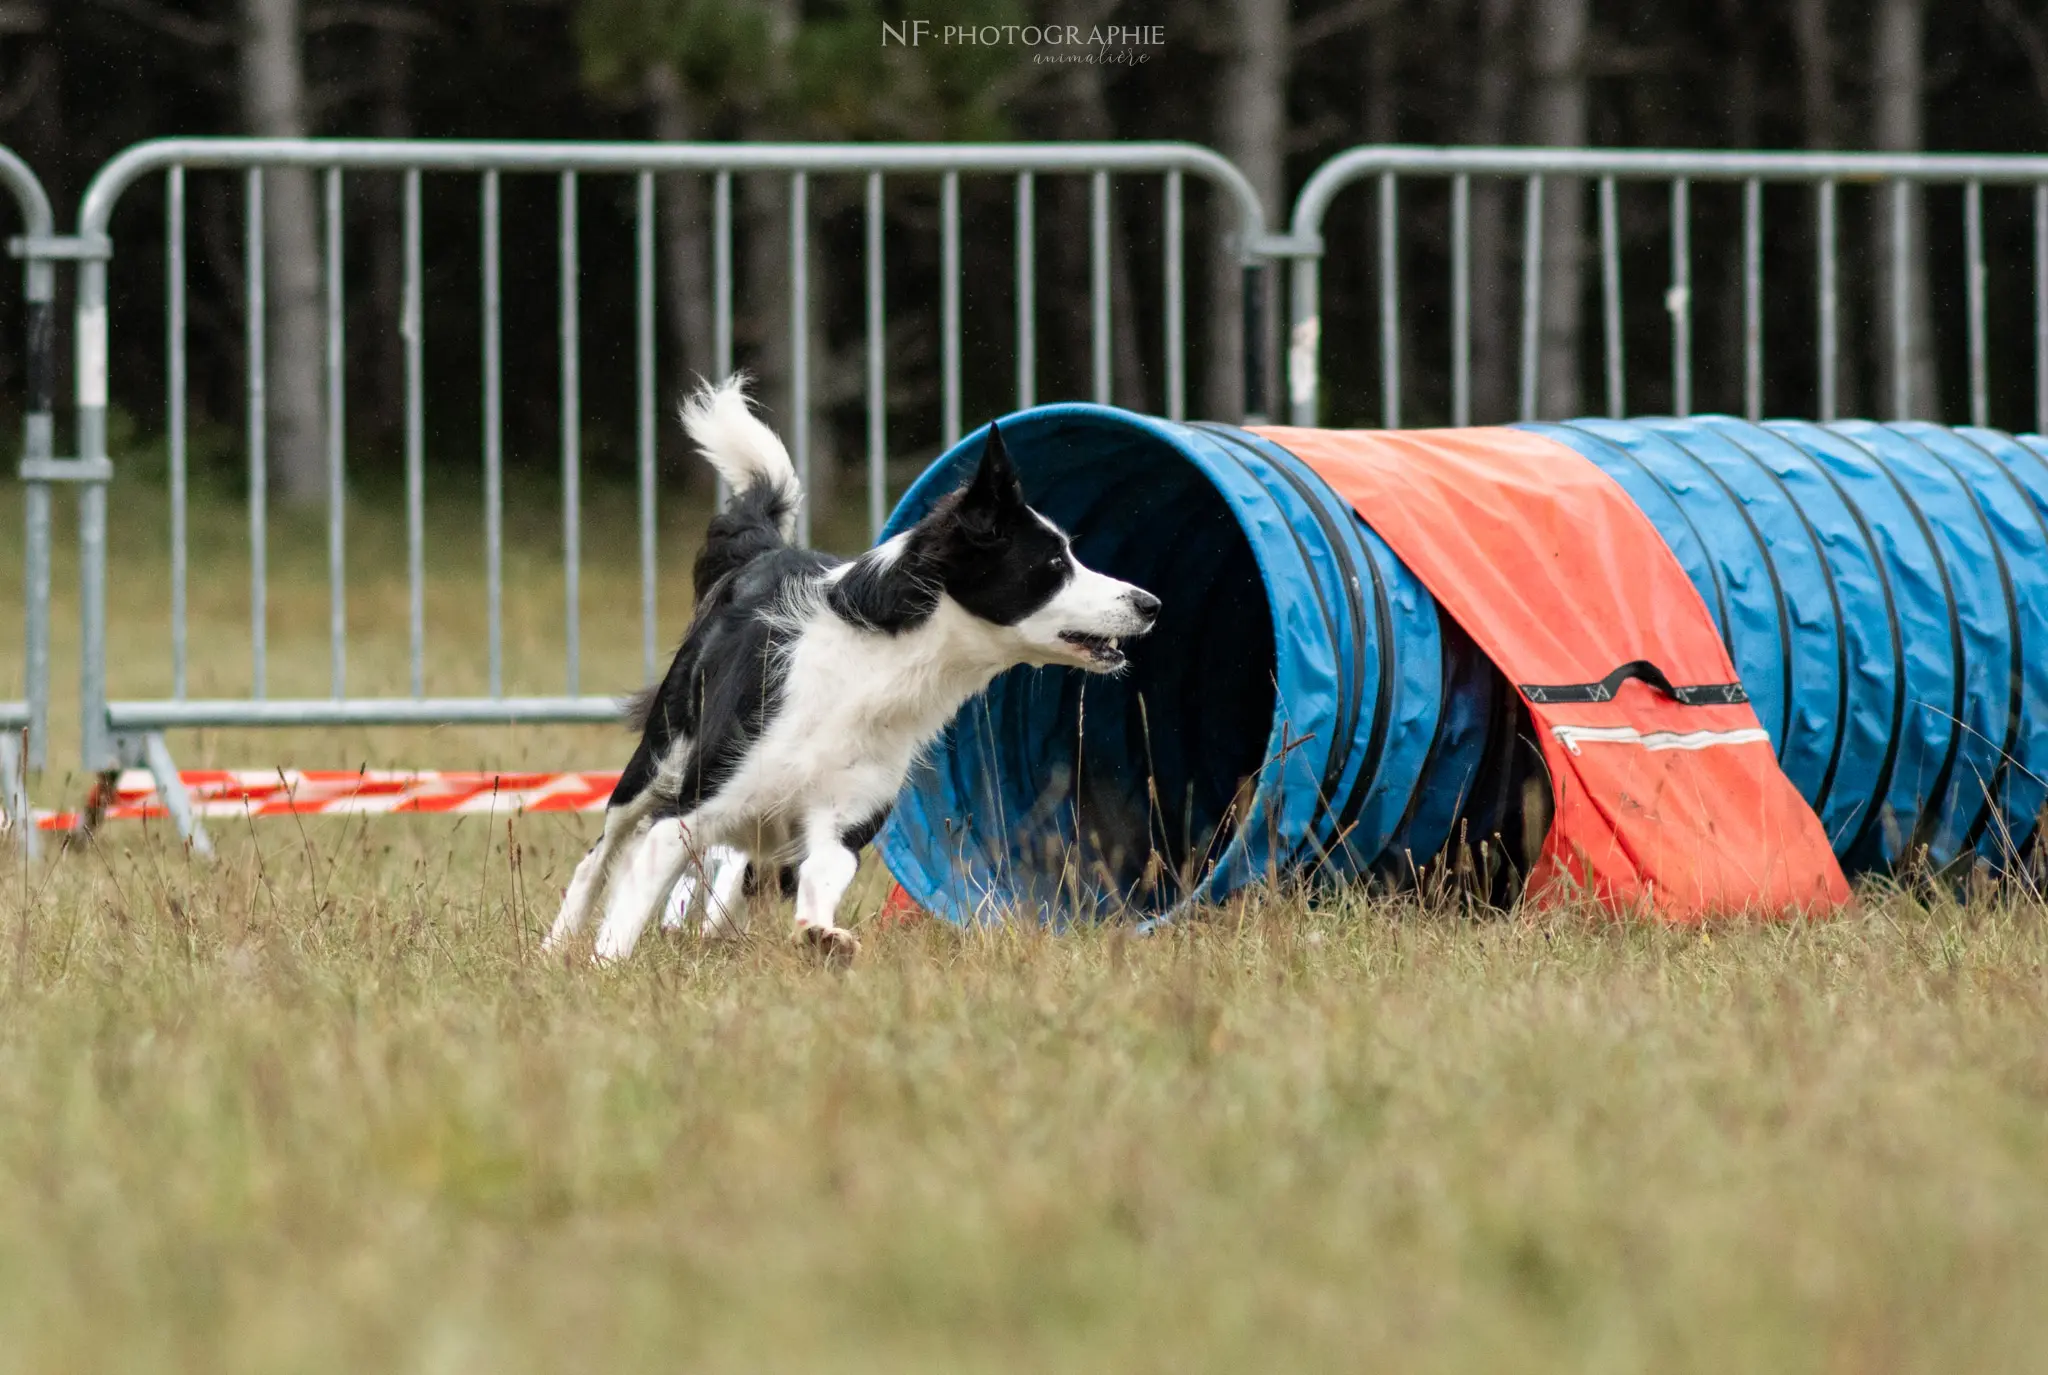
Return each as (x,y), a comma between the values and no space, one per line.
(16,816)
(156,757)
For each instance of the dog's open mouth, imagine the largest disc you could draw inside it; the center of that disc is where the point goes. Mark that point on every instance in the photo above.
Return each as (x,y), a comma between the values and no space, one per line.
(1101,651)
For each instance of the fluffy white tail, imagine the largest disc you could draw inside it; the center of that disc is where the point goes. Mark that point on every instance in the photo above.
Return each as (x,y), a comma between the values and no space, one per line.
(740,446)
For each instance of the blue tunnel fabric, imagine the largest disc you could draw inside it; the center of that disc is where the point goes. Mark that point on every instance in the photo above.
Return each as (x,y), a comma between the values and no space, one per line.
(1304,709)
(1299,670)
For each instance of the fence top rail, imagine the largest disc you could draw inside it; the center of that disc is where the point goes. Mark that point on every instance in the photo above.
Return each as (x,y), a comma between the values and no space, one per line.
(1647,164)
(38,221)
(449,155)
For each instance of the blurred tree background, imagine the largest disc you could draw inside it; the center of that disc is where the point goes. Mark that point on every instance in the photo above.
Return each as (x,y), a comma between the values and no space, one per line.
(1275,85)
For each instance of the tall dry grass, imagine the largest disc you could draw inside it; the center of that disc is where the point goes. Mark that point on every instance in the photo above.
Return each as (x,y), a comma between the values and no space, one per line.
(319,1106)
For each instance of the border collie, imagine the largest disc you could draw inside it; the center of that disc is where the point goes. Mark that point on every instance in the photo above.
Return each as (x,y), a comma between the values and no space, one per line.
(807,685)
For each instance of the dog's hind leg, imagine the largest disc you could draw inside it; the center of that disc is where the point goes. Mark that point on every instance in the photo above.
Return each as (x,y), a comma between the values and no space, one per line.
(593,871)
(644,867)
(668,853)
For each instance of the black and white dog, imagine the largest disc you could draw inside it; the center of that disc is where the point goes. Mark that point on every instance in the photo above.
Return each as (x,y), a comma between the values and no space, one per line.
(807,685)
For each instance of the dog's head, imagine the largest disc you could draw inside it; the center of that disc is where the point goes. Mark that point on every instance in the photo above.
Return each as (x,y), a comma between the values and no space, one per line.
(1006,564)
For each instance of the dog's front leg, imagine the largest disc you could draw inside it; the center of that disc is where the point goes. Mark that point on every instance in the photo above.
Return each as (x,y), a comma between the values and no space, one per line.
(821,881)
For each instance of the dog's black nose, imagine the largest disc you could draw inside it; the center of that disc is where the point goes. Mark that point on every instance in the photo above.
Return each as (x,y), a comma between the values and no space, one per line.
(1145,604)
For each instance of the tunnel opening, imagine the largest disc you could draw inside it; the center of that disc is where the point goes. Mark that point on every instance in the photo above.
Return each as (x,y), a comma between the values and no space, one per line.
(1079,793)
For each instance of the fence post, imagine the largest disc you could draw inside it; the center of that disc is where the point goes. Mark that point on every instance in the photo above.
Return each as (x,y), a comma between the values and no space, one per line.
(38,447)
(24,731)
(96,469)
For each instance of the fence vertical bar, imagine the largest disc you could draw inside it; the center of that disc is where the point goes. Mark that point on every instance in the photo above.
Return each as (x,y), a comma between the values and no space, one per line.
(259,434)
(800,342)
(1027,294)
(1753,299)
(411,328)
(38,443)
(1390,303)
(2041,309)
(1532,293)
(91,389)
(1098,281)
(1610,296)
(643,368)
(721,296)
(1829,304)
(572,437)
(1176,301)
(1973,290)
(494,439)
(36,587)
(174,401)
(1461,300)
(878,395)
(1678,300)
(721,273)
(337,512)
(949,308)
(1902,313)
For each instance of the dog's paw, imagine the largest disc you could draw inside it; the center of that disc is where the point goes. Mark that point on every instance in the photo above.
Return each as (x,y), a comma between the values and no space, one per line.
(833,944)
(612,947)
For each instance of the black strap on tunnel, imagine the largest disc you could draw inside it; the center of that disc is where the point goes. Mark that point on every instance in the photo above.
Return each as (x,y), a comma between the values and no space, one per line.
(1642,671)
(1763,549)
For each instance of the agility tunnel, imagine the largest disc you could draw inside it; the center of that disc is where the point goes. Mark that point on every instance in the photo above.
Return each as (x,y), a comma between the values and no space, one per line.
(1306,708)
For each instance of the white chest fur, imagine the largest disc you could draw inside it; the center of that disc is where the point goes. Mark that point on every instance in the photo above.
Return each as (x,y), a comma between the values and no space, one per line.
(854,708)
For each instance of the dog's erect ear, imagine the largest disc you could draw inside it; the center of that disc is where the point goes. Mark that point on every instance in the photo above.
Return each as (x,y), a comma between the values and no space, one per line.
(995,486)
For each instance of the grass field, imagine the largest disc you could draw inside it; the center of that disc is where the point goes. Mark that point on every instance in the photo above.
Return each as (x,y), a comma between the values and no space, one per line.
(319,1106)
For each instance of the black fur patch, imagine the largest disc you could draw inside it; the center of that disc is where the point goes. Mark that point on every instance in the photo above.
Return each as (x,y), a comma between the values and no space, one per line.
(749,526)
(857,836)
(637,708)
(785,880)
(892,595)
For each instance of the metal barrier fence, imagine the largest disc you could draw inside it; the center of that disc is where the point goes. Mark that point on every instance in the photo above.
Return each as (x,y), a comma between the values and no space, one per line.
(23,724)
(1898,177)
(130,733)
